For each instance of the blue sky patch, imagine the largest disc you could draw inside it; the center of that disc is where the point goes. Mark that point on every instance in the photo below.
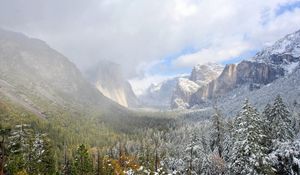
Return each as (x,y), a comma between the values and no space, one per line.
(287,7)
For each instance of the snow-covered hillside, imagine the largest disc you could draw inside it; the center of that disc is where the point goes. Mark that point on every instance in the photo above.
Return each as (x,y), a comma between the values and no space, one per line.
(276,61)
(176,92)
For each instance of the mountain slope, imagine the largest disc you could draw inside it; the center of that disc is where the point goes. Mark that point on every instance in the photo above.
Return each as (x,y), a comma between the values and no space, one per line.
(183,91)
(201,75)
(34,74)
(271,63)
(176,93)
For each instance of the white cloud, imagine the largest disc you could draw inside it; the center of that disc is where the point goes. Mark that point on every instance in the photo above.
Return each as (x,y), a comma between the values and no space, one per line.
(135,33)
(213,54)
(139,85)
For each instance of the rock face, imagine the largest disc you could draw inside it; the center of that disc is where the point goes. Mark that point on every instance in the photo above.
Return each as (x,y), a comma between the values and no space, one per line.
(33,73)
(266,66)
(182,94)
(108,78)
(201,75)
(176,93)
(204,73)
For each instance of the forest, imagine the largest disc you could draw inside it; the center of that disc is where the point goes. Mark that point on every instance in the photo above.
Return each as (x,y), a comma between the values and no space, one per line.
(253,142)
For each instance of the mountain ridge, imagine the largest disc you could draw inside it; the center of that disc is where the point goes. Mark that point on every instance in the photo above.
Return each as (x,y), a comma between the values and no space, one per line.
(271,63)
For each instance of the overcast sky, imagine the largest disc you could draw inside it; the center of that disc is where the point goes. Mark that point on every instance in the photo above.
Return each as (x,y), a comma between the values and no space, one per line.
(153,39)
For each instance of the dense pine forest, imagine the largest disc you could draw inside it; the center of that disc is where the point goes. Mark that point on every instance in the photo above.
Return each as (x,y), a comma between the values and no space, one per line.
(252,142)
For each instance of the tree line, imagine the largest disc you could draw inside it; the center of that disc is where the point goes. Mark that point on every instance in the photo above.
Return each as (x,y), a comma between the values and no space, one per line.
(253,143)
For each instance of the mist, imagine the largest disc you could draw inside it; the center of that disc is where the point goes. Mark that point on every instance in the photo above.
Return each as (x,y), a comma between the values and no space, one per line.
(149,38)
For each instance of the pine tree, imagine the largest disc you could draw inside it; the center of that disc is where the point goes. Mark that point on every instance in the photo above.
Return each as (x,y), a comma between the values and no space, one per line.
(194,141)
(217,133)
(99,168)
(280,121)
(43,155)
(248,152)
(266,126)
(20,144)
(4,132)
(82,162)
(286,158)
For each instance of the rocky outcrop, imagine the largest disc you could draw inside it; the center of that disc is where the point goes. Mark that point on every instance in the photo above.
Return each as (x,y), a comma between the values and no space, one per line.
(183,92)
(248,72)
(204,73)
(201,75)
(266,66)
(108,78)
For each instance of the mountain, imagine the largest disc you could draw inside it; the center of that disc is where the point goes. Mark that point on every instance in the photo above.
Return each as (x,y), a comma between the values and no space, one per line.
(39,78)
(176,92)
(204,73)
(201,75)
(159,95)
(278,60)
(183,91)
(108,78)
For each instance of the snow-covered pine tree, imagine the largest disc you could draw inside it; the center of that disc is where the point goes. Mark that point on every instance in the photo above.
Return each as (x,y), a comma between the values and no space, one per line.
(248,153)
(286,158)
(266,126)
(20,143)
(43,155)
(280,121)
(217,133)
(228,139)
(194,141)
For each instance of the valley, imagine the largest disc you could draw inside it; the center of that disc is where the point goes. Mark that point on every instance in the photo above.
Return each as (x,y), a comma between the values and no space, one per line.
(240,118)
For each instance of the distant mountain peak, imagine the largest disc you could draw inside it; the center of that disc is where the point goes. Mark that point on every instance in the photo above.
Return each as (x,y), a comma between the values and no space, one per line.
(288,45)
(204,73)
(271,63)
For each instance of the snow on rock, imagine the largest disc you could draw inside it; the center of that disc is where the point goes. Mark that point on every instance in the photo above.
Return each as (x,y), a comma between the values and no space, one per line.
(290,68)
(285,53)
(184,89)
(288,45)
(204,73)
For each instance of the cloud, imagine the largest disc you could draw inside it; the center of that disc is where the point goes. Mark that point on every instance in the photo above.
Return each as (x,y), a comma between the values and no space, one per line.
(216,53)
(136,33)
(139,85)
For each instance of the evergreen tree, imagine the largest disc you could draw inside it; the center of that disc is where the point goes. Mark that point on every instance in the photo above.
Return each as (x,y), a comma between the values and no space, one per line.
(4,133)
(286,158)
(43,155)
(20,144)
(228,139)
(266,126)
(99,167)
(217,133)
(194,141)
(248,152)
(280,121)
(82,162)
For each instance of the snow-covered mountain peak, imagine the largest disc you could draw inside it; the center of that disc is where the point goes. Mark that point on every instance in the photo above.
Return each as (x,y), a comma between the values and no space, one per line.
(187,85)
(204,73)
(208,65)
(288,45)
(285,53)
